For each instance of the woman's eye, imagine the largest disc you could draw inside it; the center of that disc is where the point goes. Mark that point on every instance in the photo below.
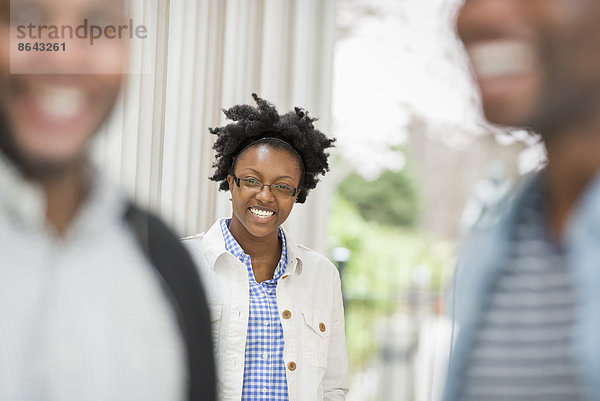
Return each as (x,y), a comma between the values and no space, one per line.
(251,182)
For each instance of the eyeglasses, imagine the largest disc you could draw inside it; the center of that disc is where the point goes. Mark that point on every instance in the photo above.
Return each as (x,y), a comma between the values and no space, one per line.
(253,185)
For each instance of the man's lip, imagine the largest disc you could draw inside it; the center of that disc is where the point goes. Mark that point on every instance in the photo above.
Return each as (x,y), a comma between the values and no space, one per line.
(499,87)
(57,106)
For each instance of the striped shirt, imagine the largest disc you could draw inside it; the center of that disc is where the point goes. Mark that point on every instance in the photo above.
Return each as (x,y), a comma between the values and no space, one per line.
(264,367)
(524,348)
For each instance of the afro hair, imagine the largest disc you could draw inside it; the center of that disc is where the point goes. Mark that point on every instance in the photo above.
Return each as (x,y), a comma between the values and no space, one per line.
(263,121)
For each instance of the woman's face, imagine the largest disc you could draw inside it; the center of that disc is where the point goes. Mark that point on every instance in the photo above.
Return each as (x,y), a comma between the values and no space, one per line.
(260,212)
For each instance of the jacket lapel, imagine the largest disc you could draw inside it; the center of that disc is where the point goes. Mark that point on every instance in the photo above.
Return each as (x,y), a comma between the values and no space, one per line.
(482,260)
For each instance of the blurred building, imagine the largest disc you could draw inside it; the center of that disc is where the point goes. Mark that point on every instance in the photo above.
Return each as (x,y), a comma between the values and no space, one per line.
(448,176)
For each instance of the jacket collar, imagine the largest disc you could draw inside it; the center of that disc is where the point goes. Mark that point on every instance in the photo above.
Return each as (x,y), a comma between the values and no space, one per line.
(484,256)
(214,248)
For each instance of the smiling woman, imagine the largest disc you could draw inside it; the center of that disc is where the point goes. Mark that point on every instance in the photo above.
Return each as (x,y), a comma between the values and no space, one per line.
(278,319)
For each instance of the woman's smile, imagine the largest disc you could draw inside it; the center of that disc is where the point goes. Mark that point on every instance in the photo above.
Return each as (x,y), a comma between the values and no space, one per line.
(261,213)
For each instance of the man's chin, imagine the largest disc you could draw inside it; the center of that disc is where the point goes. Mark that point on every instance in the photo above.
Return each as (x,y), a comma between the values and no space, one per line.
(38,167)
(506,116)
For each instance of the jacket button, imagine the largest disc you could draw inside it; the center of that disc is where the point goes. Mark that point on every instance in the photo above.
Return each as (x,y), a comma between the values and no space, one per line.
(292,366)
(285,276)
(322,327)
(286,314)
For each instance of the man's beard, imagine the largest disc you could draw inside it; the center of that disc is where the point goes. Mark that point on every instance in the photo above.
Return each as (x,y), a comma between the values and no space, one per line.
(31,167)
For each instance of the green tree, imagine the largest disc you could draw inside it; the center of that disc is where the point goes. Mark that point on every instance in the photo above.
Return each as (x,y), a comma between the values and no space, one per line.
(390,200)
(378,275)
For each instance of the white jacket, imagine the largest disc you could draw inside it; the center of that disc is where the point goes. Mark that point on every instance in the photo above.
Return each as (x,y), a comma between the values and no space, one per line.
(314,335)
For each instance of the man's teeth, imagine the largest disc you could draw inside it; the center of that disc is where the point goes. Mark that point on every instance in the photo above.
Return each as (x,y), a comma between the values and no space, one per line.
(61,102)
(501,58)
(261,213)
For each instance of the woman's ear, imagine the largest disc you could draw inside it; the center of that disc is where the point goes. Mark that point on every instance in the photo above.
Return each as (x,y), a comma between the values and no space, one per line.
(230,182)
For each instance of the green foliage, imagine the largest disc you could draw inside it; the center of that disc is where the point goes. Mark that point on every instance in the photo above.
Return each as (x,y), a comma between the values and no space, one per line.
(378,274)
(391,199)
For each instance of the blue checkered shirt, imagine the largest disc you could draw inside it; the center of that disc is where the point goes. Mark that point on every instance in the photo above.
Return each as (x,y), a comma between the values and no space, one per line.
(264,367)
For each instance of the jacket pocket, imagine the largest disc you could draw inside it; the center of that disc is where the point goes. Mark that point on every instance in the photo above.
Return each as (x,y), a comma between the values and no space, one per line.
(316,337)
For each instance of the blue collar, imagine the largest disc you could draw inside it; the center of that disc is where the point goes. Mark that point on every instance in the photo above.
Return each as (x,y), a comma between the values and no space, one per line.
(233,247)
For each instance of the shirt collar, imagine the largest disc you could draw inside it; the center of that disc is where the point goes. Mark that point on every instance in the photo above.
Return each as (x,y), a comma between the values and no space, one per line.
(232,246)
(214,248)
(22,200)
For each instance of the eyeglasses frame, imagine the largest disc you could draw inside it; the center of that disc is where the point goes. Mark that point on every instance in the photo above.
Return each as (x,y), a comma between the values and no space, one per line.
(238,179)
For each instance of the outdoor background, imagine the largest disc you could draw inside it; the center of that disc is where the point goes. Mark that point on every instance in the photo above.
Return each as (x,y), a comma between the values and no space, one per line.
(415,164)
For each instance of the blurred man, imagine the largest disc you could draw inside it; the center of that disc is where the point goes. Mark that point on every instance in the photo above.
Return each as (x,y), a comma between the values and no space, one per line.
(98,300)
(528,290)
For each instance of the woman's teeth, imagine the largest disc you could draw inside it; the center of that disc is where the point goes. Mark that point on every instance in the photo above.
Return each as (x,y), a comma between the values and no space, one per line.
(261,213)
